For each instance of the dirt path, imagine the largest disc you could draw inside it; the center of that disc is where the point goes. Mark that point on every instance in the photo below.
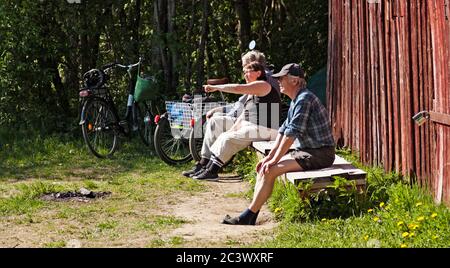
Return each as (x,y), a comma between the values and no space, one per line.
(205,211)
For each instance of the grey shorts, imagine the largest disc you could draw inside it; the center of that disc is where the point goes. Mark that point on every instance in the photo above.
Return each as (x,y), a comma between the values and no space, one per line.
(318,158)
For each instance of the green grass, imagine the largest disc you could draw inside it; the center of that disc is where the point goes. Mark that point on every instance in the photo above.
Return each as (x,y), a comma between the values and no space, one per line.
(139,182)
(391,214)
(408,219)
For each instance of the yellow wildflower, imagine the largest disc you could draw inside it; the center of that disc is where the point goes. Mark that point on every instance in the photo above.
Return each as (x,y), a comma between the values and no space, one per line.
(421,218)
(403,246)
(405,234)
(366,237)
(381,204)
(413,226)
(324,219)
(400,223)
(411,234)
(435,236)
(277,210)
(434,215)
(369,210)
(419,204)
(376,219)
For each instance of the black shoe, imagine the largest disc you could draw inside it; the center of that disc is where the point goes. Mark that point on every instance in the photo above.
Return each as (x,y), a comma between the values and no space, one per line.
(194,170)
(253,221)
(198,172)
(206,175)
(237,221)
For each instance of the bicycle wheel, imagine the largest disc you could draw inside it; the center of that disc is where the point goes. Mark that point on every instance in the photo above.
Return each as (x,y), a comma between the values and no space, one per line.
(196,140)
(146,127)
(100,128)
(172,149)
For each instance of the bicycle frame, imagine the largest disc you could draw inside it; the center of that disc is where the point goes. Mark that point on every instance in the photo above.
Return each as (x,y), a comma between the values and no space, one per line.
(130,117)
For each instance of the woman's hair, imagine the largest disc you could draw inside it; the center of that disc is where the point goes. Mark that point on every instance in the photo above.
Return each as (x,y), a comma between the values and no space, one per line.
(253,55)
(257,66)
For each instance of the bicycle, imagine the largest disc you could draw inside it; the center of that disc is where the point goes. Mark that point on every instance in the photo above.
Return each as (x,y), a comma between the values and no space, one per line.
(174,139)
(99,119)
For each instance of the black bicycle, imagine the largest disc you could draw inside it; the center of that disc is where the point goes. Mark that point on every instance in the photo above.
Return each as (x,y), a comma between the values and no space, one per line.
(100,121)
(179,131)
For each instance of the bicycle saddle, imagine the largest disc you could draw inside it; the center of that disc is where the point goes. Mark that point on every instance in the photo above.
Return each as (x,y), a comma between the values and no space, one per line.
(187,98)
(217,81)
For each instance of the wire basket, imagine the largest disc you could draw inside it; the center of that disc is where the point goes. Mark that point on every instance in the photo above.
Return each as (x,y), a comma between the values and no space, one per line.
(180,114)
(201,108)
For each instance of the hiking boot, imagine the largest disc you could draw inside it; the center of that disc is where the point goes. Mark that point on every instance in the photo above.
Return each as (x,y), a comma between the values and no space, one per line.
(206,175)
(194,170)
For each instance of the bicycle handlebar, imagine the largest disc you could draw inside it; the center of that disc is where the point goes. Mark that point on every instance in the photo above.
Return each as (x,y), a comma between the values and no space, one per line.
(116,64)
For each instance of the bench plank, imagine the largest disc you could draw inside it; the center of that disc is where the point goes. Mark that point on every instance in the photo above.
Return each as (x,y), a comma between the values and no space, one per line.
(321,177)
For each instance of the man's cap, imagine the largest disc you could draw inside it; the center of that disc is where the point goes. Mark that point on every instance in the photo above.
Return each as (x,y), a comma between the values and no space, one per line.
(290,69)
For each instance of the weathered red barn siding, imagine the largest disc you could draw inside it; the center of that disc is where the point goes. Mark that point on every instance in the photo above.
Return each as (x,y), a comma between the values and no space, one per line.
(388,60)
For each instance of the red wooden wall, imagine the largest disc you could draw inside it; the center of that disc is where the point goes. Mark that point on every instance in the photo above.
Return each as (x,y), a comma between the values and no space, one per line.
(388,60)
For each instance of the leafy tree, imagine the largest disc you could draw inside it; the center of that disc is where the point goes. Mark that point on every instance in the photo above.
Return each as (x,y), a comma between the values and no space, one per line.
(46,46)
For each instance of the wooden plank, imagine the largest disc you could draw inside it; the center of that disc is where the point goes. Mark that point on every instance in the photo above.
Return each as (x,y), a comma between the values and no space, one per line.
(362,79)
(389,162)
(421,39)
(335,170)
(383,100)
(346,81)
(446,94)
(427,90)
(355,72)
(440,118)
(415,30)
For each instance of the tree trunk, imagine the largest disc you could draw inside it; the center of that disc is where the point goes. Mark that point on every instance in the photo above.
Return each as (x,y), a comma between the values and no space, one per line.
(188,76)
(162,18)
(202,48)
(173,54)
(223,66)
(135,27)
(244,27)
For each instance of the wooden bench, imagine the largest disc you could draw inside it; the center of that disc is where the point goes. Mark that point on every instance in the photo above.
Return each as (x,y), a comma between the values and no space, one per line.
(321,177)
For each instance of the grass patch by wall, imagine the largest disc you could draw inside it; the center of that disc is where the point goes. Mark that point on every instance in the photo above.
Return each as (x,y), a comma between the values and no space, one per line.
(390,213)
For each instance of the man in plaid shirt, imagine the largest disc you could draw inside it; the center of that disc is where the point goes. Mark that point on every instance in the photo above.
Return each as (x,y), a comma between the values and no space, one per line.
(308,126)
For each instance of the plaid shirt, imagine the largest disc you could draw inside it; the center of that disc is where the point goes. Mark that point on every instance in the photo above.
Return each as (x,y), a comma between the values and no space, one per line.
(308,121)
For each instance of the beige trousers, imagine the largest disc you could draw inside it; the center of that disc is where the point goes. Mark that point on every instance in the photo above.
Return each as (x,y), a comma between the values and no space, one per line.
(224,139)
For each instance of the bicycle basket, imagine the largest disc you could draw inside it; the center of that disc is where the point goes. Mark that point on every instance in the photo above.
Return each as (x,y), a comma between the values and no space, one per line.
(201,108)
(180,114)
(143,91)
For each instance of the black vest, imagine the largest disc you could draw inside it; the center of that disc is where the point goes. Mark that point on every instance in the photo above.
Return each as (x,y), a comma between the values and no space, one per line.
(264,111)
